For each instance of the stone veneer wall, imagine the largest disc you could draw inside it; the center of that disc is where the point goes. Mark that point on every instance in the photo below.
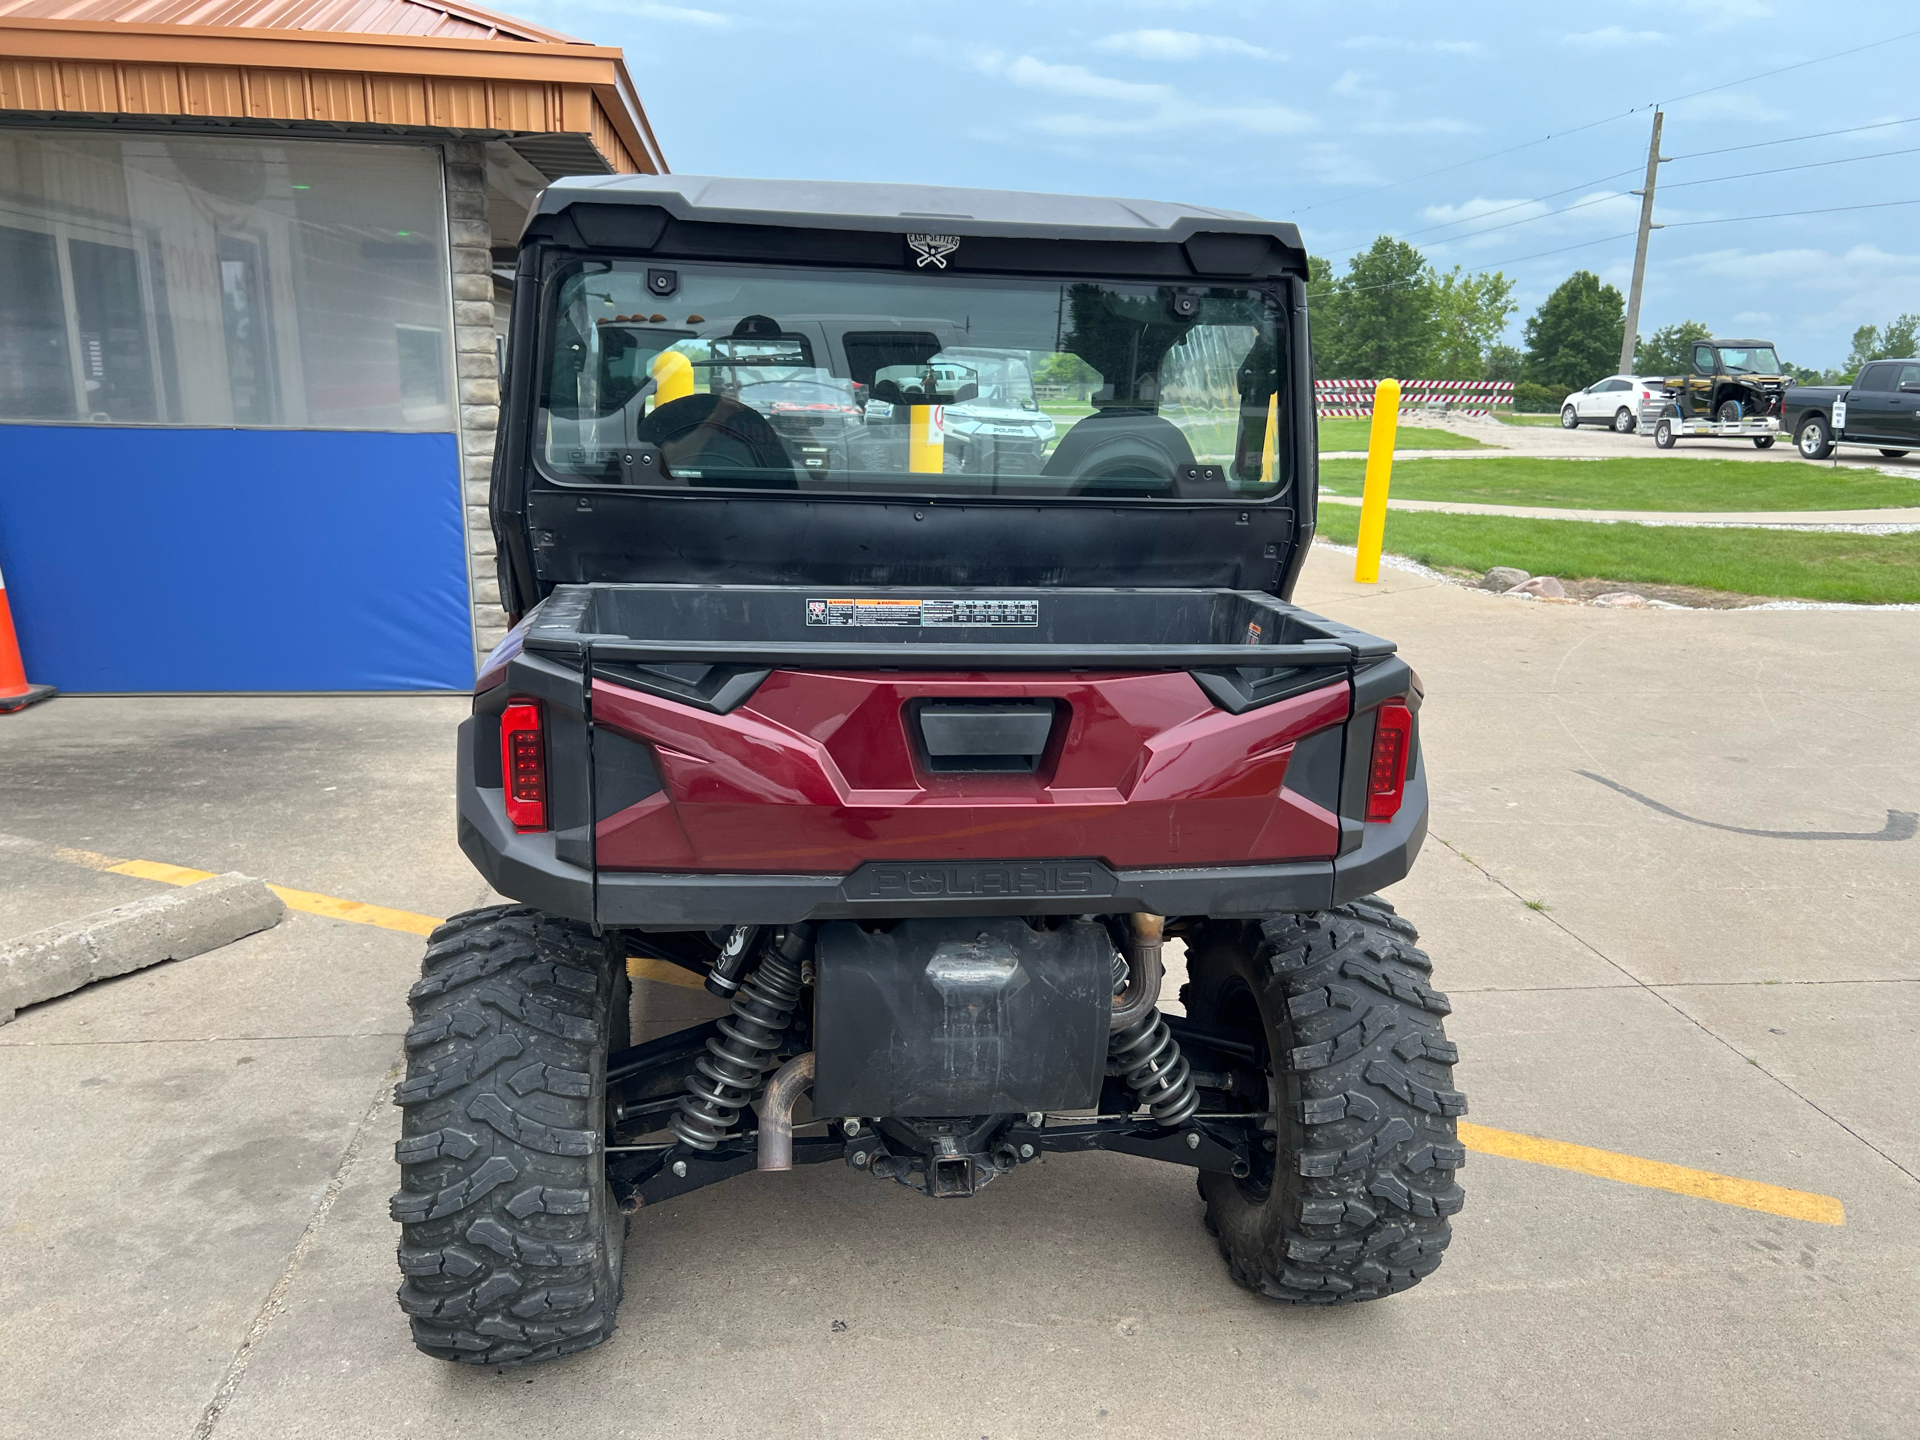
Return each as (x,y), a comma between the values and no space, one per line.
(479,379)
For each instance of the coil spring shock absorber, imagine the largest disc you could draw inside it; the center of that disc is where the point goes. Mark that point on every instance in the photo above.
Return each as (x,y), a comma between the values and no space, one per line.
(1141,1045)
(726,1077)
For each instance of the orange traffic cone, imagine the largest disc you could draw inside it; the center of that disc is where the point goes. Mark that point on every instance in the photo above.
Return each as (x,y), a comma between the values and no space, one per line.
(15,692)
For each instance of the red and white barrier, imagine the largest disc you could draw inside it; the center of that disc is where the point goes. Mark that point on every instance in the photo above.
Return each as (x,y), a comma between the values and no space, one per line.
(1461,397)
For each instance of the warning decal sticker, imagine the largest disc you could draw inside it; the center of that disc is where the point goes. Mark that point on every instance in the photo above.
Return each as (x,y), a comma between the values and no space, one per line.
(924,614)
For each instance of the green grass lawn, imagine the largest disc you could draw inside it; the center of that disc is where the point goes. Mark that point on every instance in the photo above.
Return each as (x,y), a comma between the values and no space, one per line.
(1636,483)
(1790,564)
(1356,435)
(1553,419)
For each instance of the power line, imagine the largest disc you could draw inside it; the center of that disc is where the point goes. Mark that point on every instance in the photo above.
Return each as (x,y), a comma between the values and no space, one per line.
(1529,219)
(1584,244)
(1608,120)
(1793,139)
(1492,155)
(1783,169)
(1603,199)
(1785,214)
(1797,65)
(1629,234)
(1488,214)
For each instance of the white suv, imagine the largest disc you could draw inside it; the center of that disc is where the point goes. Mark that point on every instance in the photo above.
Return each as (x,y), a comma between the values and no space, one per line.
(1614,401)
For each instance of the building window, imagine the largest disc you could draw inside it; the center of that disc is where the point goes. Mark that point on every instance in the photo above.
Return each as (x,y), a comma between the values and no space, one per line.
(209,281)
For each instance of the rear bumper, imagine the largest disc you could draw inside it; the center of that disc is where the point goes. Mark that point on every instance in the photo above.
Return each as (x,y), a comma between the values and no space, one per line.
(527,868)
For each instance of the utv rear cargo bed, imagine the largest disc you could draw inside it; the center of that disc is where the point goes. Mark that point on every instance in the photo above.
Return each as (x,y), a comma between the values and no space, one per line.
(1256,648)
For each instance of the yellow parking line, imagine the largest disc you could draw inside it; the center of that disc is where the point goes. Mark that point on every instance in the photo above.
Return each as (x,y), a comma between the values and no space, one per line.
(1655,1175)
(333,907)
(153,870)
(1606,1164)
(357,911)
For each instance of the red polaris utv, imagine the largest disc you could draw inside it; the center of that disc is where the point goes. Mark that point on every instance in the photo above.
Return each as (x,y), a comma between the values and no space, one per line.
(917,759)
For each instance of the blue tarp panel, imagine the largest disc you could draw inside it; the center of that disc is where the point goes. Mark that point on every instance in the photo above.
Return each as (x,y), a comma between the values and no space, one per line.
(175,559)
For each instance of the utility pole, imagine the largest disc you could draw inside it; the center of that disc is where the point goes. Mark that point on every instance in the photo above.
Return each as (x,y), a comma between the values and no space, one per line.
(1654,161)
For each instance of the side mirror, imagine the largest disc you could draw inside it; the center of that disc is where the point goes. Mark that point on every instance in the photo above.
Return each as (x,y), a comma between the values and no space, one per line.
(966,392)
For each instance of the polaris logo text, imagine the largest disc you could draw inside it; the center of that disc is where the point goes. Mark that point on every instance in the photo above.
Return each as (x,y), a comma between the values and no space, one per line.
(920,882)
(933,249)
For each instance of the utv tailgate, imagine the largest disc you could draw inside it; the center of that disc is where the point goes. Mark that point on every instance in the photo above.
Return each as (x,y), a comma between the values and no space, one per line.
(792,753)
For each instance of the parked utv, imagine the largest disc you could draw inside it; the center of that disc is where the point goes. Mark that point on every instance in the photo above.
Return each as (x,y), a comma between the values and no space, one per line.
(917,765)
(1732,389)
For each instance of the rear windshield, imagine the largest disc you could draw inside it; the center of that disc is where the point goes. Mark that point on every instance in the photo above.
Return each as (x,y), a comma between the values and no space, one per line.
(749,378)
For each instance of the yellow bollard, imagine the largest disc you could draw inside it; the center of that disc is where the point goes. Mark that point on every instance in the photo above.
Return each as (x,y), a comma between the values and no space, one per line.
(1373,498)
(926,440)
(673,377)
(1270,447)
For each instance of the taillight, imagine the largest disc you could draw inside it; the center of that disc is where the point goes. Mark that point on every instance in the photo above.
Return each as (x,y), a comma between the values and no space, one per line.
(523,764)
(1387,776)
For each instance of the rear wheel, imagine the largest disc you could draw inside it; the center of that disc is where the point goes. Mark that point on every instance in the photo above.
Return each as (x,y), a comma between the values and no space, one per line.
(1351,1202)
(1893,454)
(510,1239)
(1763,442)
(1569,419)
(1663,435)
(1813,439)
(1623,421)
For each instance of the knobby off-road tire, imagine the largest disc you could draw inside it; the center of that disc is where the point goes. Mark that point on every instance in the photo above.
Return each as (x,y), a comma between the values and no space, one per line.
(1355,1203)
(510,1240)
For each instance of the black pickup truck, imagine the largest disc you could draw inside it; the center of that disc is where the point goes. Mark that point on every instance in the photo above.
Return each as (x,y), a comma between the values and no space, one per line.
(1881,409)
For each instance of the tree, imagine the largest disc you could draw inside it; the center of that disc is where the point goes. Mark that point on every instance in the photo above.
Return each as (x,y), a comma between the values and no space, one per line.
(1505,363)
(1324,316)
(1574,337)
(1670,349)
(1390,314)
(1898,341)
(1376,320)
(1472,311)
(1069,370)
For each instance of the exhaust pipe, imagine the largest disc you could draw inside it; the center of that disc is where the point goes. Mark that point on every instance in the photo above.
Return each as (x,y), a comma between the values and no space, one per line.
(1143,970)
(776,1112)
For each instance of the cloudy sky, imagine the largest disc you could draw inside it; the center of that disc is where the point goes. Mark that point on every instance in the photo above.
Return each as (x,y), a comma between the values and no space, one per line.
(1354,120)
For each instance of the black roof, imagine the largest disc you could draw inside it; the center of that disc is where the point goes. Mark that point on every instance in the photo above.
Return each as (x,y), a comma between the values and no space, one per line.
(852,205)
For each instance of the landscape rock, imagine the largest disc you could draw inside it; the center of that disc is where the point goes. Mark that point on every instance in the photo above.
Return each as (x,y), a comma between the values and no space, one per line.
(1543,587)
(1503,577)
(1623,600)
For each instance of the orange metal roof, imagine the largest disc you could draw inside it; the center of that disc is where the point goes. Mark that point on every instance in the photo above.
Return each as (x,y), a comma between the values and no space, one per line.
(421,64)
(434,18)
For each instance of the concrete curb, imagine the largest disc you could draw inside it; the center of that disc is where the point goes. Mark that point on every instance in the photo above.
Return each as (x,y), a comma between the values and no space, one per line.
(174,926)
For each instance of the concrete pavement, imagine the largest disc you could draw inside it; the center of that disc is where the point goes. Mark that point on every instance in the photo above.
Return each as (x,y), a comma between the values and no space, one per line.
(194,1238)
